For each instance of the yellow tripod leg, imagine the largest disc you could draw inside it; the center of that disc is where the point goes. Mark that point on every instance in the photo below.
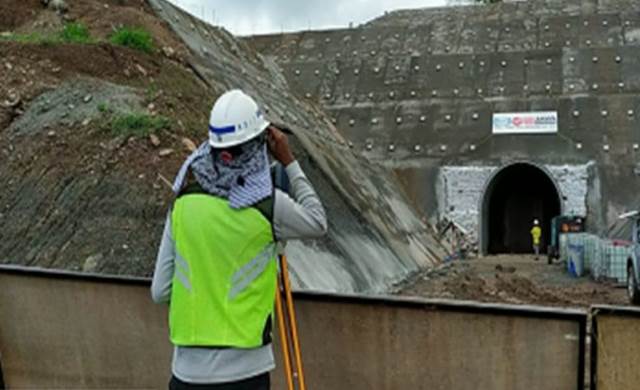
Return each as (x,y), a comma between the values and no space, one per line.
(291,314)
(284,340)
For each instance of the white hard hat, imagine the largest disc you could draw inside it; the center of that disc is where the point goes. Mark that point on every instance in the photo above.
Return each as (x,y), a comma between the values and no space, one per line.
(235,119)
(535,222)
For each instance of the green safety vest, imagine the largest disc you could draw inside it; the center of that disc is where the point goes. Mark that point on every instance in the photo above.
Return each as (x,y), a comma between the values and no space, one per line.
(225,276)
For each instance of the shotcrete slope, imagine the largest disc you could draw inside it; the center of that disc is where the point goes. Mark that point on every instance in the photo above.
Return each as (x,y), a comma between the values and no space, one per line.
(415,90)
(391,244)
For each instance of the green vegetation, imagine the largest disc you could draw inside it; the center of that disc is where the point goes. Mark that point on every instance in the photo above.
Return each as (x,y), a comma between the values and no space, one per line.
(135,38)
(137,124)
(35,38)
(71,33)
(103,107)
(75,33)
(151,91)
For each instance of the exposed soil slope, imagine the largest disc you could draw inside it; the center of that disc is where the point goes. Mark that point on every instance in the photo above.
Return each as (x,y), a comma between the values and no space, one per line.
(79,196)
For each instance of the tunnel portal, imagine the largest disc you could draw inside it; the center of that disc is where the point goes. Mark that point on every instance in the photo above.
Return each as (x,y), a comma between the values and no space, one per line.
(516,196)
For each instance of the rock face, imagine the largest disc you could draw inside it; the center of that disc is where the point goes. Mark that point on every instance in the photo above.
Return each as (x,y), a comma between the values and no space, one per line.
(415,91)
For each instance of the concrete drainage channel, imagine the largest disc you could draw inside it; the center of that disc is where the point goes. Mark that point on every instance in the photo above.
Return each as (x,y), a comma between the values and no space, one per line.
(363,342)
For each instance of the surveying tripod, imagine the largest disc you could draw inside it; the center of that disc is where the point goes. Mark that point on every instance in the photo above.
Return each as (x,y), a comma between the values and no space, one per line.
(288,330)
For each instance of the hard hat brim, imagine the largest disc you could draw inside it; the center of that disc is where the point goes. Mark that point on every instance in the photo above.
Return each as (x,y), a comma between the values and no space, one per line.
(232,143)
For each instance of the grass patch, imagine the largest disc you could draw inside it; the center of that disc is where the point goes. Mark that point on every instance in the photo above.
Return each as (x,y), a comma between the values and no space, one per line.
(137,124)
(34,38)
(75,33)
(103,107)
(71,33)
(151,91)
(135,38)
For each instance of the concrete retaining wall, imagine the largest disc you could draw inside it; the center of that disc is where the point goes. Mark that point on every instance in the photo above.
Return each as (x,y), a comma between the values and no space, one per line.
(406,94)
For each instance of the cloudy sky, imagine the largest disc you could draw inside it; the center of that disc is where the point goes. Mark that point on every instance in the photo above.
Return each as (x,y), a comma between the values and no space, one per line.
(246,17)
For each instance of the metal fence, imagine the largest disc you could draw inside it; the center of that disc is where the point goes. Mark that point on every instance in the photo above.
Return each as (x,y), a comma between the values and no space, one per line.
(604,259)
(615,346)
(104,332)
(72,331)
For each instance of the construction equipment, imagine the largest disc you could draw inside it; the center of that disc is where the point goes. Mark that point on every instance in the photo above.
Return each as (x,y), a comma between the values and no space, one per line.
(288,329)
(562,224)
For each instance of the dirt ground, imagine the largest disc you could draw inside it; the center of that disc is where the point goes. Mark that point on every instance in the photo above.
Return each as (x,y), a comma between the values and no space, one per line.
(514,279)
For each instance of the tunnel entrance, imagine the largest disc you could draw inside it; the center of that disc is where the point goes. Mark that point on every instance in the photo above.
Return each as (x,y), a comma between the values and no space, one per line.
(516,196)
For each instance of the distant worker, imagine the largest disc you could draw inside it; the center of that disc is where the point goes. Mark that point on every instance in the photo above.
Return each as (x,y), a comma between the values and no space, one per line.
(536,232)
(216,266)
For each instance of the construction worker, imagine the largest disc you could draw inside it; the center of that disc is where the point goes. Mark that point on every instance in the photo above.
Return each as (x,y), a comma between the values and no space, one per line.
(216,266)
(536,232)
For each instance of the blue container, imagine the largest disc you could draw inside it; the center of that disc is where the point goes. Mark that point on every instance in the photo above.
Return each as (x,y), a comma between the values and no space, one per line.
(575,259)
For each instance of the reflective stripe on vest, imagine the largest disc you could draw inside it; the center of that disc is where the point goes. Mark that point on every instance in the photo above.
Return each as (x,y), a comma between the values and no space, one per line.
(224,281)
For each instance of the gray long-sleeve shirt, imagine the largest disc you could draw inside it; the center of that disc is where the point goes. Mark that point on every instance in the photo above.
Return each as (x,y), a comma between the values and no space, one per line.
(300,217)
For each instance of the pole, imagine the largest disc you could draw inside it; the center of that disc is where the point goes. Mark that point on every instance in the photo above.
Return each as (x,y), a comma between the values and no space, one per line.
(293,326)
(284,341)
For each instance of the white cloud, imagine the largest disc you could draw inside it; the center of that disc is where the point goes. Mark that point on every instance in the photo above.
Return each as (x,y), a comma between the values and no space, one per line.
(246,17)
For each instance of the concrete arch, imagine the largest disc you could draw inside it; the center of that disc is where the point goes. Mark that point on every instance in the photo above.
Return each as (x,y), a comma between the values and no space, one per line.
(543,178)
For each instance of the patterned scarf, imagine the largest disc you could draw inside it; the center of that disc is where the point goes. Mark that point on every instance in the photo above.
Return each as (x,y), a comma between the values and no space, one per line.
(244,180)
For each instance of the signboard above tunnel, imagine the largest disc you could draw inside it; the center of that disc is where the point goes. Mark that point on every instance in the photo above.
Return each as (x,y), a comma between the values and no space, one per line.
(544,122)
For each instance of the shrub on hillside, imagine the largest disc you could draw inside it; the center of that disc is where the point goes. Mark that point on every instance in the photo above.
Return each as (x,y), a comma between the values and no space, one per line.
(135,38)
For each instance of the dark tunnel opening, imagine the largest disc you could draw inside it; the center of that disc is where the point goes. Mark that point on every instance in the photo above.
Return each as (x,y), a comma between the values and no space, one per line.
(516,196)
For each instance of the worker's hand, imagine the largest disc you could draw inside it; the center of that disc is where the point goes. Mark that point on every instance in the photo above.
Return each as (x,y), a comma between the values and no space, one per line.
(279,146)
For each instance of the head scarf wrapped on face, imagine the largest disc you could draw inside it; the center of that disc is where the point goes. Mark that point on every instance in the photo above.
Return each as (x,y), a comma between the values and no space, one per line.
(244,179)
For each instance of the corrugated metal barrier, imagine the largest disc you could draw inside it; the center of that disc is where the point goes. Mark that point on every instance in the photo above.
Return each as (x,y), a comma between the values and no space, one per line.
(60,330)
(615,348)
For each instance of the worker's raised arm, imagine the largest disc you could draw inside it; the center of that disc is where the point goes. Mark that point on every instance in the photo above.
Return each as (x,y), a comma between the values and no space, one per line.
(300,215)
(163,274)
